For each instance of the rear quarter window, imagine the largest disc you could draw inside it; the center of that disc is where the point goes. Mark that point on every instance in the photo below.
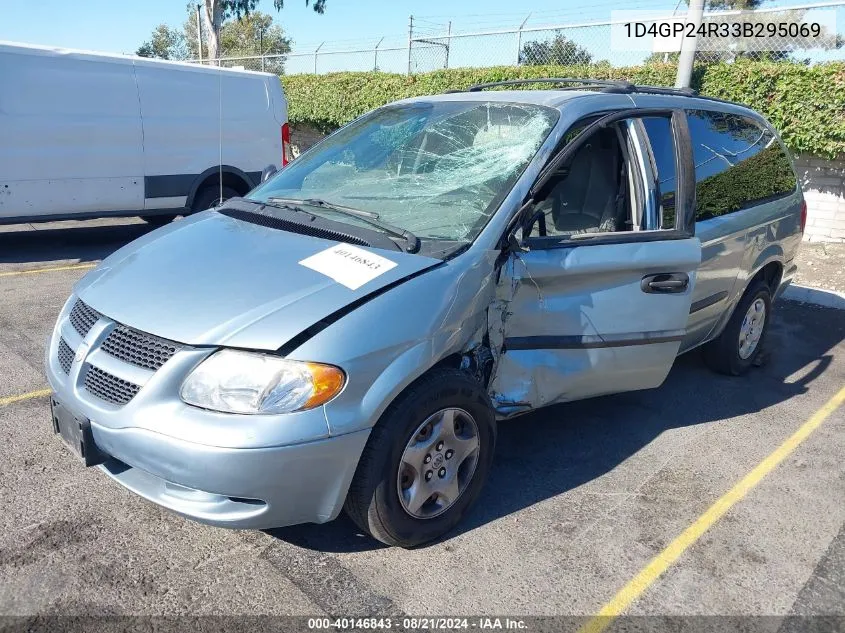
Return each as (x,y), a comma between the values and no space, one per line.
(738,164)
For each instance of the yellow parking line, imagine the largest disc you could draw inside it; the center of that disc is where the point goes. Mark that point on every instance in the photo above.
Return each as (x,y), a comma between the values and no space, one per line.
(24,396)
(35,271)
(660,563)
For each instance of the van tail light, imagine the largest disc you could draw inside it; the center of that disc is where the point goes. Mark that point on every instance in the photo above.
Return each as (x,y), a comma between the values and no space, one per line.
(287,149)
(803,215)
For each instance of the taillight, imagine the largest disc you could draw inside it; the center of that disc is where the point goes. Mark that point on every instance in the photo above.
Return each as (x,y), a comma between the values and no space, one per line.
(803,215)
(287,150)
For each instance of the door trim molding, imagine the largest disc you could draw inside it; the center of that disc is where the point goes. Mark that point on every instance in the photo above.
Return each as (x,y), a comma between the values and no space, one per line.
(708,301)
(593,341)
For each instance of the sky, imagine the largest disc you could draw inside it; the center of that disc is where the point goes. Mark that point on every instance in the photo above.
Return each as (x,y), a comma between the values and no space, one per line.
(120,26)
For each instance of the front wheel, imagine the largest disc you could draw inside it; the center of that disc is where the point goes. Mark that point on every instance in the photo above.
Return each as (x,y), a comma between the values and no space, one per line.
(425,462)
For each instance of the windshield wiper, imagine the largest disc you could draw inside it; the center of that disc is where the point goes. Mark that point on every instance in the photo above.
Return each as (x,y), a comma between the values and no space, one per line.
(283,203)
(367,216)
(319,202)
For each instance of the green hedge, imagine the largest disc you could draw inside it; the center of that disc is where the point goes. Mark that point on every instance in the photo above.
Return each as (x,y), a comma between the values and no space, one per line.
(805,103)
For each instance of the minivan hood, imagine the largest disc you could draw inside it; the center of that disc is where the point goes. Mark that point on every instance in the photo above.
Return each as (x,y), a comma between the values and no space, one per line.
(216,280)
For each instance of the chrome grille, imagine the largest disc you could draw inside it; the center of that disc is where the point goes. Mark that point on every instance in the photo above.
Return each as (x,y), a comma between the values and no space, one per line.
(65,356)
(138,348)
(110,388)
(83,318)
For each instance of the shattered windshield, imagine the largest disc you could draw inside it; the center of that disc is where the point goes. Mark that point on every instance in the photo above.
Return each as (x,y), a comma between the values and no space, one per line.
(437,169)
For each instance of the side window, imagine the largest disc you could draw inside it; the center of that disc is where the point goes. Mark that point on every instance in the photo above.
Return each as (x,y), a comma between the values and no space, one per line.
(606,185)
(590,192)
(659,130)
(738,164)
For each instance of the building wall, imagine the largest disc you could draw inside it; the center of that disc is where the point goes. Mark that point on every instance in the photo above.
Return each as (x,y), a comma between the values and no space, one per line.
(823,182)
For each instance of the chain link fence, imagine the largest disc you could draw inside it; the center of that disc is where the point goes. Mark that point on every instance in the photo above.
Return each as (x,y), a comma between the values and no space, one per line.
(432,46)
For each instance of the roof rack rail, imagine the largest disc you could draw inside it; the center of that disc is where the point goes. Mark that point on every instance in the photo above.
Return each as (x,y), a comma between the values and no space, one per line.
(662,90)
(622,86)
(606,85)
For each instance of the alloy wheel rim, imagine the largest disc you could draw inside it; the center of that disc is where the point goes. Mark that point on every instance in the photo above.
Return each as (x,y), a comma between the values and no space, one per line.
(751,329)
(438,463)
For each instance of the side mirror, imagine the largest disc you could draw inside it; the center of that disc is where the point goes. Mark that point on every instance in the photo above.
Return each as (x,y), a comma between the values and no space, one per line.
(268,172)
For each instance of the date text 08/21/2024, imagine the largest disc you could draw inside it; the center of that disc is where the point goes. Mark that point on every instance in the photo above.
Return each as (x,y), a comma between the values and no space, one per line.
(416,623)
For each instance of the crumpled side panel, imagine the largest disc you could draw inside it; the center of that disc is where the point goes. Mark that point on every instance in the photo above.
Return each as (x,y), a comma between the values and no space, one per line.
(574,323)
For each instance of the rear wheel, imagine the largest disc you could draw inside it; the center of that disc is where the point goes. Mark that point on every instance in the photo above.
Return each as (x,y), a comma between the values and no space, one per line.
(425,462)
(212,196)
(735,350)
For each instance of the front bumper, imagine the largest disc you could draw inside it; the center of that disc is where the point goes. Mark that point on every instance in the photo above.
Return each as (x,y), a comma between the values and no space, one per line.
(254,488)
(237,471)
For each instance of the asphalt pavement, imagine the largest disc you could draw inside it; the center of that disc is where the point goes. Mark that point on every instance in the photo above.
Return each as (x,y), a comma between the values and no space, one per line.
(582,496)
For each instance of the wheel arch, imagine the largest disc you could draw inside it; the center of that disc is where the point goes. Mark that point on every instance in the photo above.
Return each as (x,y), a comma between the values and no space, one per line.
(769,268)
(768,265)
(233,177)
(406,370)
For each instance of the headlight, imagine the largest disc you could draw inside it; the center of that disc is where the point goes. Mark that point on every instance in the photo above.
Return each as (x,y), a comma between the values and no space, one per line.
(246,382)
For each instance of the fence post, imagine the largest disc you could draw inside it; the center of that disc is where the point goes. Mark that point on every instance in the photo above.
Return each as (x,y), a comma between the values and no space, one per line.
(375,57)
(315,56)
(261,47)
(448,42)
(519,38)
(410,39)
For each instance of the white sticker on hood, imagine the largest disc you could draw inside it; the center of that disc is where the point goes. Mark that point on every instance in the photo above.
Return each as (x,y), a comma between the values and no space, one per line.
(348,265)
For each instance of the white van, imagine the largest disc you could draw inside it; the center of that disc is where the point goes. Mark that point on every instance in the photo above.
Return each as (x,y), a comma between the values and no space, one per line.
(90,134)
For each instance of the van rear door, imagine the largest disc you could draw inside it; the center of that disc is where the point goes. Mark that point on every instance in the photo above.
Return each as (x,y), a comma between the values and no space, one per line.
(199,119)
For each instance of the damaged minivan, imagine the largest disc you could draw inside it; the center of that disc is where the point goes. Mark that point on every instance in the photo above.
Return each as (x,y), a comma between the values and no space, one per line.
(347,335)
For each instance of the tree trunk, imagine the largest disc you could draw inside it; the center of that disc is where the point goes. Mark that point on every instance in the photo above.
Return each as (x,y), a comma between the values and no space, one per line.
(213,19)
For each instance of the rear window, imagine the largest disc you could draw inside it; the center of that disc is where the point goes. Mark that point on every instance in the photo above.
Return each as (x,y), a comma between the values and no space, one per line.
(738,164)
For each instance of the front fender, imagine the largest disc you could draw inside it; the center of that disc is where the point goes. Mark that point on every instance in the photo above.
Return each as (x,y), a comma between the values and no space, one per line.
(390,341)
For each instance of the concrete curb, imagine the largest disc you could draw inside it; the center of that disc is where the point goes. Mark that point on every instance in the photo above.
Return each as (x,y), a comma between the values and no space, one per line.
(816,296)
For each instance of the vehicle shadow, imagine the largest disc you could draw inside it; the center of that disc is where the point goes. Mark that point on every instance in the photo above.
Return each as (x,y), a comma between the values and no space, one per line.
(78,241)
(544,454)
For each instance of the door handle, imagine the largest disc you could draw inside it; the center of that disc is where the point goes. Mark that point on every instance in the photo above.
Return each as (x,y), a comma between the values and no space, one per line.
(664,283)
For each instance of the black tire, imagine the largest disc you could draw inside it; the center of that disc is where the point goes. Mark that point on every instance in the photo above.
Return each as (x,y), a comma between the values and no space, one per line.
(209,197)
(722,354)
(158,220)
(373,499)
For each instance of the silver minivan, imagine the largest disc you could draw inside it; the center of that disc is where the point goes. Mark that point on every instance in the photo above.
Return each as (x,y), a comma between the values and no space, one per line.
(348,334)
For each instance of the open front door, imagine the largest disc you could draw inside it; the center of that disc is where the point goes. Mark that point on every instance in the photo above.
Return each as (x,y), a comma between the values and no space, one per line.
(597,301)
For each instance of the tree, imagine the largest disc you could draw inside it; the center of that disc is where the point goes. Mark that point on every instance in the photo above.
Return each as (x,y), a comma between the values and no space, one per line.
(560,50)
(165,43)
(253,34)
(216,12)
